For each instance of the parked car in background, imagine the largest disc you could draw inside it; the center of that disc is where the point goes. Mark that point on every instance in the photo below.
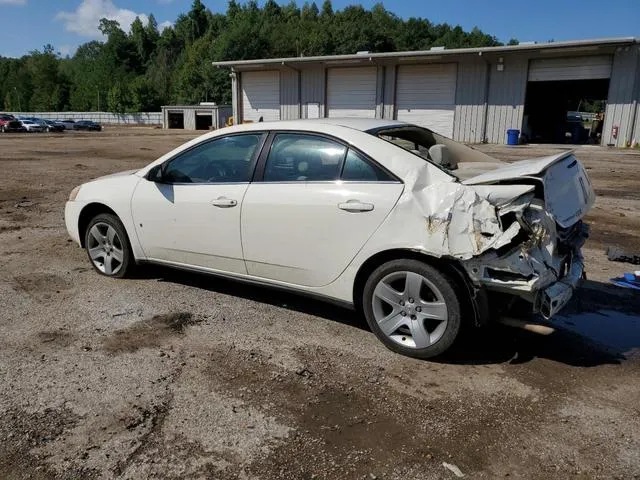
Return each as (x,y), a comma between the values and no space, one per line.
(423,235)
(43,123)
(53,126)
(67,124)
(9,123)
(30,126)
(11,126)
(88,125)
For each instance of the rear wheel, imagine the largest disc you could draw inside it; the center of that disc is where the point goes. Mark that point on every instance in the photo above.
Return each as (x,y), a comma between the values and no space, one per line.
(412,308)
(108,246)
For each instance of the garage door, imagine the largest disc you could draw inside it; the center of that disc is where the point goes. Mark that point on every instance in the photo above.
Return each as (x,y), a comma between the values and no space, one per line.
(426,96)
(575,68)
(260,95)
(351,92)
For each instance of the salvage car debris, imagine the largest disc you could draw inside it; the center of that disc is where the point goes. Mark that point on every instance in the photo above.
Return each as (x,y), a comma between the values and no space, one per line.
(617,254)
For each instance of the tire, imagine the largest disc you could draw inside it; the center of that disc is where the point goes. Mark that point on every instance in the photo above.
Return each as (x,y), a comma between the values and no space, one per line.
(412,308)
(108,247)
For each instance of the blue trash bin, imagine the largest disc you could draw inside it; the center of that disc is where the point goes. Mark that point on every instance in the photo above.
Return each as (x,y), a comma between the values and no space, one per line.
(512,136)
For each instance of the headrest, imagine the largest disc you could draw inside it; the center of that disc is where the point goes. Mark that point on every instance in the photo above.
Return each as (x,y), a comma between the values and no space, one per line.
(441,155)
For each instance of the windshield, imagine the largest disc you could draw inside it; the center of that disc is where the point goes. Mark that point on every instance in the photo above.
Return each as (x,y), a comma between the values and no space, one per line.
(441,151)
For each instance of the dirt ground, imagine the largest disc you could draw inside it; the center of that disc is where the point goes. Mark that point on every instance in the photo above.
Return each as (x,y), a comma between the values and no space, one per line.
(175,375)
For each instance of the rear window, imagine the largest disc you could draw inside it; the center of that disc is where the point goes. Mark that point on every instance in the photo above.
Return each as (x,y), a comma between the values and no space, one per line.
(419,141)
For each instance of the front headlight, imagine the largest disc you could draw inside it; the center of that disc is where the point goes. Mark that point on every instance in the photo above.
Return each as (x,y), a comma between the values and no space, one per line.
(74,193)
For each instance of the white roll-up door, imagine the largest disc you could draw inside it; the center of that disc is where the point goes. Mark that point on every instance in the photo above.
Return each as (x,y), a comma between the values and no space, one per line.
(260,95)
(426,96)
(351,92)
(574,68)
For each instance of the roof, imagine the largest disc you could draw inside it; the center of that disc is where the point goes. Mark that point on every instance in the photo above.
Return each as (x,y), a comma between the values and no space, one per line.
(361,124)
(198,107)
(574,46)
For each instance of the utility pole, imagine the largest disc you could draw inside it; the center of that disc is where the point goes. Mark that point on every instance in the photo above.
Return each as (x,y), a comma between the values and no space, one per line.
(19,102)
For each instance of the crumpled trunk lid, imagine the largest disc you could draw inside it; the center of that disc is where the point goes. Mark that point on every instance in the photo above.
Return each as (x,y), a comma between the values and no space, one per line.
(568,194)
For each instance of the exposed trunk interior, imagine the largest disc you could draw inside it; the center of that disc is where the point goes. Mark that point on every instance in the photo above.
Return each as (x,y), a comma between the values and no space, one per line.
(565,111)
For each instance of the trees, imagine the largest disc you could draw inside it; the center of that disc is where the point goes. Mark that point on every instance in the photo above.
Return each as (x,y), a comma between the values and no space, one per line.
(144,68)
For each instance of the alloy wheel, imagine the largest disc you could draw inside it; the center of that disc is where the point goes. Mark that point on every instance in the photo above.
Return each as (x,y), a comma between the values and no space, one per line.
(410,309)
(105,248)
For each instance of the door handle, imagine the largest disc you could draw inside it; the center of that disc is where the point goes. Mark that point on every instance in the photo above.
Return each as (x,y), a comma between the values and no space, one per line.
(224,202)
(355,206)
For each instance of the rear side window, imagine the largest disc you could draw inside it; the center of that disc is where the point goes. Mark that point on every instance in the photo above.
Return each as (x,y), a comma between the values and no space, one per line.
(303,158)
(359,169)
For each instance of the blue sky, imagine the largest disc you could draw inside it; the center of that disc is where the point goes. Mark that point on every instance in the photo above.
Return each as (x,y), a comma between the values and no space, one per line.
(29,24)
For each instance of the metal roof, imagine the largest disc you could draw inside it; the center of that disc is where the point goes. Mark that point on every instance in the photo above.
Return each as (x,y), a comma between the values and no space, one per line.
(577,46)
(195,107)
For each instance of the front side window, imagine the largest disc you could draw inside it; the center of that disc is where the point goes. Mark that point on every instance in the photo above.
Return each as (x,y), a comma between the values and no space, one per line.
(224,160)
(303,158)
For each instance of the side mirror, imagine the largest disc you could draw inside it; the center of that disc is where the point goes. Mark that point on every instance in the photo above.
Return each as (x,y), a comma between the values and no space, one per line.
(155,174)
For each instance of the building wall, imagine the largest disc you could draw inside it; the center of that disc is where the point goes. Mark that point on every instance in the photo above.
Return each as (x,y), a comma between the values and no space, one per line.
(471,98)
(636,133)
(313,85)
(380,88)
(289,94)
(223,114)
(389,110)
(623,91)
(235,90)
(506,98)
(189,119)
(488,101)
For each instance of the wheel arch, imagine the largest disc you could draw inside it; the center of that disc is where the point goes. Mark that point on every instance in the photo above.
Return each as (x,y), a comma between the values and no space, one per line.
(475,304)
(87,213)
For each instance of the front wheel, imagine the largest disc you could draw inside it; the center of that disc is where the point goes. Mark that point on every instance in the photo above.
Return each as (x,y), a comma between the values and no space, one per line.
(108,246)
(412,308)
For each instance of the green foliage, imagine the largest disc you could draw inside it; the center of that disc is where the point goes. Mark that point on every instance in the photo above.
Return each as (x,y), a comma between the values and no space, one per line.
(144,69)
(119,98)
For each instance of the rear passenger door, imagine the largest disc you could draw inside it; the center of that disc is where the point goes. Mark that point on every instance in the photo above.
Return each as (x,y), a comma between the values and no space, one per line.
(311,207)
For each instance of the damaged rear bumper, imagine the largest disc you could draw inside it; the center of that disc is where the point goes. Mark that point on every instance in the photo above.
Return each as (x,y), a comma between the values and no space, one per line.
(554,298)
(544,271)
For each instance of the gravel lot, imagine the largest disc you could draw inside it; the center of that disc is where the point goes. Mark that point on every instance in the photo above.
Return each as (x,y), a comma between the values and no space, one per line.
(175,375)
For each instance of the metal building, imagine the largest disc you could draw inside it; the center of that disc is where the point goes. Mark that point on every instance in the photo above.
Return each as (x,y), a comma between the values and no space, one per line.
(472,94)
(196,117)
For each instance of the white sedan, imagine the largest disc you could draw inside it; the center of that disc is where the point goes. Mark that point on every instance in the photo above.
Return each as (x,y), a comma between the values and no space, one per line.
(31,126)
(422,234)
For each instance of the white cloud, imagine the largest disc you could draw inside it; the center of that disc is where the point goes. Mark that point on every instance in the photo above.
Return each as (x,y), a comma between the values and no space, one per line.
(65,50)
(13,2)
(164,25)
(86,18)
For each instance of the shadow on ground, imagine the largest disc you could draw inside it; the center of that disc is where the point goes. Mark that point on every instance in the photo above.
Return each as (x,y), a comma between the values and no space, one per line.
(600,326)
(257,293)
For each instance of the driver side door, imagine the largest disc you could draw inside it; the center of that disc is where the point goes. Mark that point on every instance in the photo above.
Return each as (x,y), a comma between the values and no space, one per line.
(190,215)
